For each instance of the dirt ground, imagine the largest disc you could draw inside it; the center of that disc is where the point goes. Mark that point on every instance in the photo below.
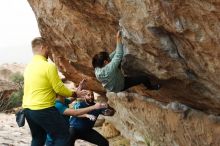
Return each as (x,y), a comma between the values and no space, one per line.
(12,135)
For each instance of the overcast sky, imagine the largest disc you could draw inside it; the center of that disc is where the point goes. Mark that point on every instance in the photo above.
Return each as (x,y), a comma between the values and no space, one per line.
(18,27)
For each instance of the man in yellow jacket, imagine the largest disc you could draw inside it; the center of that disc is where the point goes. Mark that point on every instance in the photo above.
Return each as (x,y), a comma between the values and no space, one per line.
(41,84)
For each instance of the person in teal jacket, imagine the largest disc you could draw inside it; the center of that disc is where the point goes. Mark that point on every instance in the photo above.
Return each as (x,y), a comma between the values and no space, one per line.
(108,72)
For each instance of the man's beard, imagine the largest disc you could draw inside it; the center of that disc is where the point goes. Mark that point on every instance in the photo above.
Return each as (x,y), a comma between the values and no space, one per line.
(90,101)
(46,55)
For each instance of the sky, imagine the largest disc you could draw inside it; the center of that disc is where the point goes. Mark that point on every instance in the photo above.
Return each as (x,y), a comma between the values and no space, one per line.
(18,26)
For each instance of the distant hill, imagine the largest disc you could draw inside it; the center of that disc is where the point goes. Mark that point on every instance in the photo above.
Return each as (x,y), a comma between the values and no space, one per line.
(6,70)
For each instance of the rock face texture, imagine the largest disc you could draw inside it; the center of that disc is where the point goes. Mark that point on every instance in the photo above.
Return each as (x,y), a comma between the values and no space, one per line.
(147,122)
(175,42)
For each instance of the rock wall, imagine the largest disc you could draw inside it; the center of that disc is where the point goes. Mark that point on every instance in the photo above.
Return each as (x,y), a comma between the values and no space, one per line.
(147,122)
(175,42)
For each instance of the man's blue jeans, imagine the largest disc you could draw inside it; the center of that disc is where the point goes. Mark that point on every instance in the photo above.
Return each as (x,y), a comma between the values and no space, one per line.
(48,121)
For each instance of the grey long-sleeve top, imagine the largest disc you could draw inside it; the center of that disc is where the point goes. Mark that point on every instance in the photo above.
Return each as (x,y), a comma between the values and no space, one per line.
(110,75)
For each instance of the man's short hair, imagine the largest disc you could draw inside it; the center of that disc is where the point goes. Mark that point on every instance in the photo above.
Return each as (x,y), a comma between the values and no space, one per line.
(38,41)
(98,59)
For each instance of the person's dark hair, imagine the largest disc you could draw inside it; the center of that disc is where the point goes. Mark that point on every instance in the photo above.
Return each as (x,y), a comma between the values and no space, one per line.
(98,59)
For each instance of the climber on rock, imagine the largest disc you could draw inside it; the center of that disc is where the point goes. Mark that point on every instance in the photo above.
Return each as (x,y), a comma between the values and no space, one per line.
(82,128)
(108,72)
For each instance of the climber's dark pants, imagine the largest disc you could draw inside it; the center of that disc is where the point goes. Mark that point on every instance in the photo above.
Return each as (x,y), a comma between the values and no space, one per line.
(89,135)
(47,121)
(132,81)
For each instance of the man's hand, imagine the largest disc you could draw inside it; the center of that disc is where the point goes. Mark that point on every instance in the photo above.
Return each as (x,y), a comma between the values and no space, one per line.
(82,85)
(99,105)
(119,36)
(81,93)
(91,117)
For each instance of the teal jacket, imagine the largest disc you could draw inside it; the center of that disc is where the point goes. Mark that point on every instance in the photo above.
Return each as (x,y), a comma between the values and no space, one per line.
(110,75)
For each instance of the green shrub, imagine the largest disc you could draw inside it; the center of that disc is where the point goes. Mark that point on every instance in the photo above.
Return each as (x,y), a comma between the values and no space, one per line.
(15,99)
(18,79)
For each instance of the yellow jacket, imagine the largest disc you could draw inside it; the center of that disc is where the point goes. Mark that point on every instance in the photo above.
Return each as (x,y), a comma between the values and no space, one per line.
(41,84)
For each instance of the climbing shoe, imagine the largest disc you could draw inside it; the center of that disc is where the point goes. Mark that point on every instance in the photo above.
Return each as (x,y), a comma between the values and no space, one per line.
(155,87)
